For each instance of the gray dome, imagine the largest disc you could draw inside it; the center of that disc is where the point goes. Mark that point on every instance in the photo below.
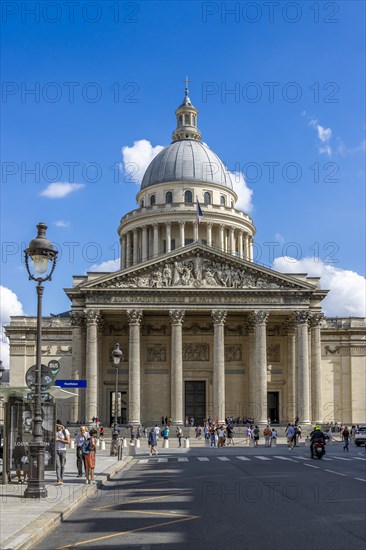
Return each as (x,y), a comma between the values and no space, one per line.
(186,160)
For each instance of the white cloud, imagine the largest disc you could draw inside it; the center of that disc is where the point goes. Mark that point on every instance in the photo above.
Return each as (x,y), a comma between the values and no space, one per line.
(61,223)
(347,296)
(138,157)
(60,189)
(107,266)
(324,135)
(9,305)
(244,193)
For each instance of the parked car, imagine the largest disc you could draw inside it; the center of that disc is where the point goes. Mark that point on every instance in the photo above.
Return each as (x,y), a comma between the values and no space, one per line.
(360,436)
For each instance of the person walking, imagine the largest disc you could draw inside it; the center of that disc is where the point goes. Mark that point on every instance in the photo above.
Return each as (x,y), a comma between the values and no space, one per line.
(157,431)
(89,449)
(152,442)
(80,440)
(62,439)
(179,434)
(290,432)
(345,439)
(256,436)
(230,435)
(273,438)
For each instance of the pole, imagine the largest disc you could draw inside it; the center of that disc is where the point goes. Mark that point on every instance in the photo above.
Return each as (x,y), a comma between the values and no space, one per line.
(36,486)
(116,402)
(114,443)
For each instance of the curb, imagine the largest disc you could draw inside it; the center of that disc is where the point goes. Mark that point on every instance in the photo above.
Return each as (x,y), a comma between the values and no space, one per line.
(36,530)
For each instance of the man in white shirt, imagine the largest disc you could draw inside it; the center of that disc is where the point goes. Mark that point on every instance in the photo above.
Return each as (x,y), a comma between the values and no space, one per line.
(157,431)
(62,439)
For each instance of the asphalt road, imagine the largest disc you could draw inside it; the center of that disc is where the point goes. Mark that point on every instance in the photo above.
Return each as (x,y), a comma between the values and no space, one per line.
(234,499)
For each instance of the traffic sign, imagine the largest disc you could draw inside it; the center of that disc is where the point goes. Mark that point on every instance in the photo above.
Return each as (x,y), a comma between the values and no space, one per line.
(70,383)
(54,367)
(46,378)
(44,397)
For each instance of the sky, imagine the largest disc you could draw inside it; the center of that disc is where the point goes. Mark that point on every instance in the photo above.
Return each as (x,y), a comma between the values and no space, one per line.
(89,91)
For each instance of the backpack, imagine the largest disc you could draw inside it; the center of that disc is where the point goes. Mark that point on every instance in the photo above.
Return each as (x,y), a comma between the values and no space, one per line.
(86,448)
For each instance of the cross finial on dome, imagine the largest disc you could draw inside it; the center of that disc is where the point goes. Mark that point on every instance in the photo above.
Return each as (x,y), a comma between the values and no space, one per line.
(186,82)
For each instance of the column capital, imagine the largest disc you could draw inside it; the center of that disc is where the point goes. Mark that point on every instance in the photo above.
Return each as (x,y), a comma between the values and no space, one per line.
(302,317)
(176,316)
(219,316)
(92,316)
(101,325)
(290,324)
(209,224)
(316,319)
(77,318)
(134,316)
(259,317)
(181,222)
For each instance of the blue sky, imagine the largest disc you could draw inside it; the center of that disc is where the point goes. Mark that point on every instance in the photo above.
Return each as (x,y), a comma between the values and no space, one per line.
(295,126)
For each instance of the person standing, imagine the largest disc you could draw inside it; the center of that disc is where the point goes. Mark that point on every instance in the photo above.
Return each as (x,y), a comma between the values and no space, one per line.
(267,436)
(152,441)
(230,434)
(165,433)
(256,436)
(157,431)
(80,441)
(62,440)
(273,438)
(89,449)
(290,432)
(179,433)
(346,439)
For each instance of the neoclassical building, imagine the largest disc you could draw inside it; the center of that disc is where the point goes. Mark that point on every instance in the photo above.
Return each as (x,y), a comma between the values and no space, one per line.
(203,329)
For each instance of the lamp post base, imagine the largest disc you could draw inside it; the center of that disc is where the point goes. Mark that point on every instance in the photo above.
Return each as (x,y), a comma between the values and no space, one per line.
(36,486)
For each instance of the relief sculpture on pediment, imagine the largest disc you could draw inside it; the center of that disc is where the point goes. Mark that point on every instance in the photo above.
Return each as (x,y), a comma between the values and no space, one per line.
(197,272)
(196,352)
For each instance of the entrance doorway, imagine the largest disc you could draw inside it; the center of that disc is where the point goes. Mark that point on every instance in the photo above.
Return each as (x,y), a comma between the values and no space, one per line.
(195,401)
(273,410)
(121,407)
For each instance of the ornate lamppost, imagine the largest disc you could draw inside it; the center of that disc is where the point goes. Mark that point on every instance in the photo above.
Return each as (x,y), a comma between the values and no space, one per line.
(117,355)
(43,256)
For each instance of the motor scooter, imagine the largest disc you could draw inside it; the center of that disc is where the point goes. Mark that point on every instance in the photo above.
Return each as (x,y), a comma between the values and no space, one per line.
(318,449)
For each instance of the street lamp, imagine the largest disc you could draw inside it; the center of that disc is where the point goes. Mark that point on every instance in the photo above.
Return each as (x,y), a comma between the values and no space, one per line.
(117,355)
(42,253)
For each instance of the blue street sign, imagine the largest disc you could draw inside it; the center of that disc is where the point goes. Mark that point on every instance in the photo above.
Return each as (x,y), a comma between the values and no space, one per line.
(71,383)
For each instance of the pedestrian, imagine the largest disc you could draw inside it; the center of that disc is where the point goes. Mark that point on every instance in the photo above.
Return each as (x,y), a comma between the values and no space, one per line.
(267,436)
(145,433)
(132,434)
(152,441)
(166,420)
(186,422)
(273,438)
(179,434)
(165,433)
(80,440)
(198,432)
(89,449)
(20,458)
(221,435)
(212,436)
(248,435)
(345,439)
(162,421)
(290,431)
(62,439)
(256,436)
(101,432)
(192,421)
(138,434)
(230,434)
(157,432)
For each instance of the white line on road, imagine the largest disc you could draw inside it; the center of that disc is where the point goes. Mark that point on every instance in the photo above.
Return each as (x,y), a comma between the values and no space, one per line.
(284,458)
(342,458)
(337,473)
(203,458)
(223,458)
(358,458)
(302,457)
(327,458)
(242,457)
(360,479)
(162,460)
(312,466)
(182,459)
(143,461)
(263,458)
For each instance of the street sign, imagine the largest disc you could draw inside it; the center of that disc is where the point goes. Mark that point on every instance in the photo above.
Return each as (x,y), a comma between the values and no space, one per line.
(46,378)
(70,383)
(54,367)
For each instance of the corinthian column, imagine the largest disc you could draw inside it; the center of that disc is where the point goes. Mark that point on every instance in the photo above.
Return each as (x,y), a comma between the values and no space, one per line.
(91,405)
(316,380)
(77,321)
(135,246)
(240,244)
(156,240)
(134,376)
(181,234)
(232,241)
(291,373)
(144,243)
(168,237)
(302,382)
(219,318)
(250,410)
(176,409)
(221,237)
(209,233)
(260,352)
(128,249)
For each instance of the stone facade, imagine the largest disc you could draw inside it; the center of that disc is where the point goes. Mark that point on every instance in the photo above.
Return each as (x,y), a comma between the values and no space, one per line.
(204,330)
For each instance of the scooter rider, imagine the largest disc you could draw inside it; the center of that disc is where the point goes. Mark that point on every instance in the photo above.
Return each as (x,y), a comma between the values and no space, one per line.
(316,435)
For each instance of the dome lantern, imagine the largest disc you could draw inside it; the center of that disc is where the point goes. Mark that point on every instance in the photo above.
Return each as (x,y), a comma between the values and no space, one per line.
(186,115)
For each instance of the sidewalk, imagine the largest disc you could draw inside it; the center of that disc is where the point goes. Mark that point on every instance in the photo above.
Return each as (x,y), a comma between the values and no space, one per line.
(25,521)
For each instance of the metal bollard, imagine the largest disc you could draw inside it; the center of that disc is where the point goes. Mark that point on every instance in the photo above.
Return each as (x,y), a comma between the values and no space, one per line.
(102,446)
(131,450)
(72,444)
(124,441)
(166,444)
(186,443)
(137,443)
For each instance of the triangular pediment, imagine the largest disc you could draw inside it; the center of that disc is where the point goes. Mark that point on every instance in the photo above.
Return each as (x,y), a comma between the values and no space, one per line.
(197,267)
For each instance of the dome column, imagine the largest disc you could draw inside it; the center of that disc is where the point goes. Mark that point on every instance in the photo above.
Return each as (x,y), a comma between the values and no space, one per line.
(181,234)
(209,233)
(195,232)
(240,245)
(221,236)
(232,241)
(251,249)
(135,247)
(144,243)
(156,240)
(128,249)
(168,237)
(123,251)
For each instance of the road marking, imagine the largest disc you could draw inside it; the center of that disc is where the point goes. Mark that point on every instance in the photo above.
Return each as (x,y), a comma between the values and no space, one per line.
(143,461)
(302,457)
(242,458)
(360,479)
(263,458)
(358,458)
(327,458)
(203,458)
(182,459)
(223,458)
(149,527)
(337,473)
(341,458)
(162,460)
(312,466)
(284,458)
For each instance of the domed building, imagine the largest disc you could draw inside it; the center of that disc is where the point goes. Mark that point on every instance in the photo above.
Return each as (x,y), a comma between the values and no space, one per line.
(204,331)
